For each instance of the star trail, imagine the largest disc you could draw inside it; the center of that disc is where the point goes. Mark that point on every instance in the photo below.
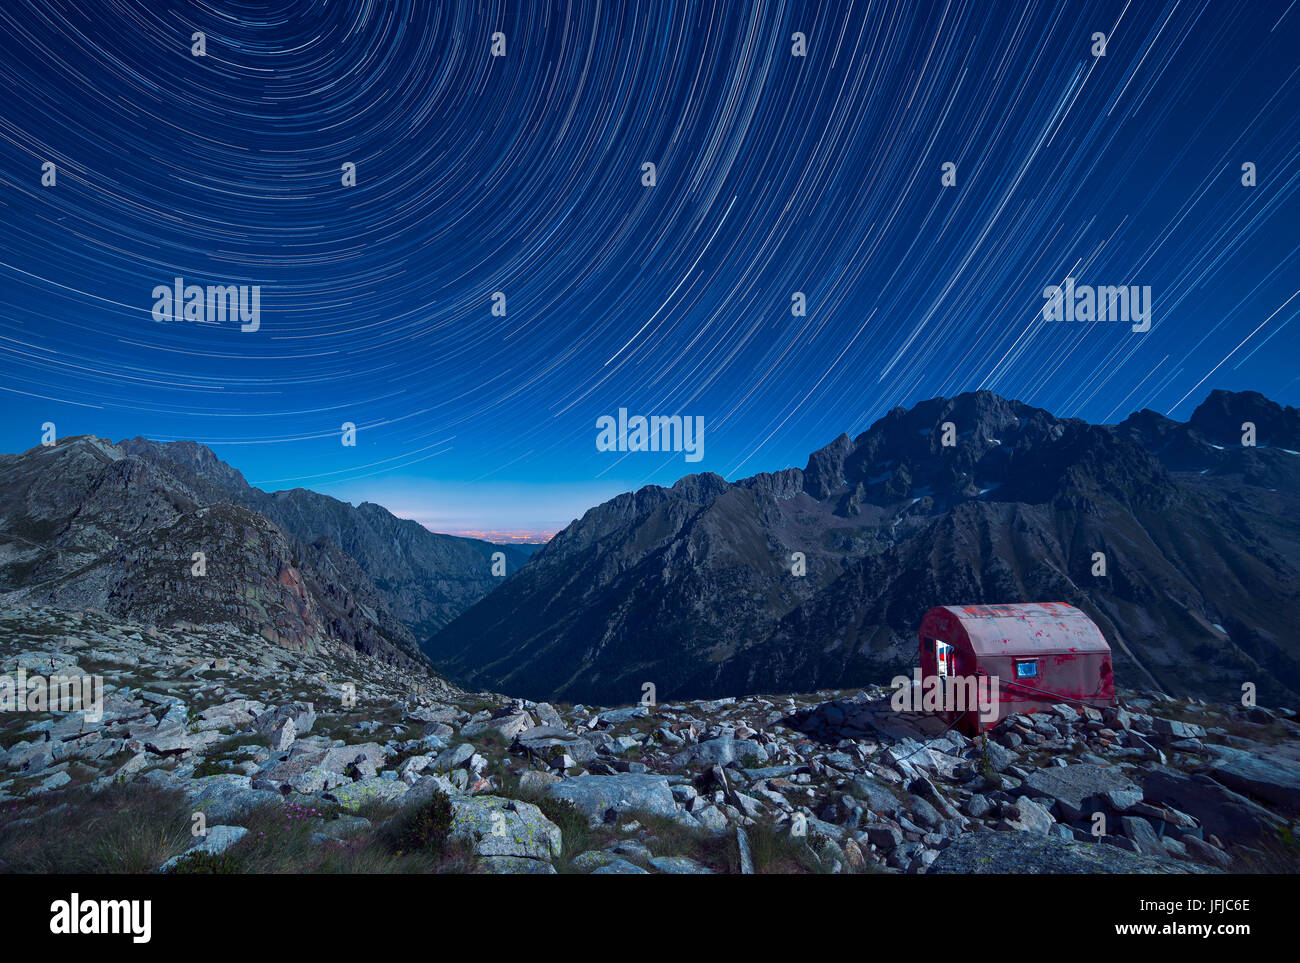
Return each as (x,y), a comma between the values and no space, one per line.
(775,174)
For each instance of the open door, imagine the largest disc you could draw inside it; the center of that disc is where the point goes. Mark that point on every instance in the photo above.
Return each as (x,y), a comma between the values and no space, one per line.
(945,666)
(945,657)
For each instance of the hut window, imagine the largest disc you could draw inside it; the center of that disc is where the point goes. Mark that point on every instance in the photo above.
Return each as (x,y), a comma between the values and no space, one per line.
(1027,670)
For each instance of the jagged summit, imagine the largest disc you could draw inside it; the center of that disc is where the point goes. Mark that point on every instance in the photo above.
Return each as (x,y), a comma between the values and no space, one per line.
(691,587)
(1220,418)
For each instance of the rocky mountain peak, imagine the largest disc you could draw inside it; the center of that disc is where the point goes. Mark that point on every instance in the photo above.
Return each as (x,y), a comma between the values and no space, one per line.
(196,459)
(1220,418)
(90,523)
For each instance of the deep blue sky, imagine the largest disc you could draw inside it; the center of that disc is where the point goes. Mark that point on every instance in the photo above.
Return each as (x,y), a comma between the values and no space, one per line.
(522,174)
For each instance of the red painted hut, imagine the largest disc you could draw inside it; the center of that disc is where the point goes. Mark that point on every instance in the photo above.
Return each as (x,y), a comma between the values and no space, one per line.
(1041,653)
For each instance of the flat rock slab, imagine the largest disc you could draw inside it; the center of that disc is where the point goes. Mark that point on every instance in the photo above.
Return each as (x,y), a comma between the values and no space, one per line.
(721,751)
(1271,774)
(1220,811)
(597,796)
(1017,853)
(1078,790)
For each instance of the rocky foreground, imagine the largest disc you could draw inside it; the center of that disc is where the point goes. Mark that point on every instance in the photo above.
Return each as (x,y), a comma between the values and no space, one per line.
(219,752)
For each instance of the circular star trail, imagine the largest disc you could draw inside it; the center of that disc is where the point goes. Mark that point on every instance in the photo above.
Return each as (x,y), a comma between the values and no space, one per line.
(523,174)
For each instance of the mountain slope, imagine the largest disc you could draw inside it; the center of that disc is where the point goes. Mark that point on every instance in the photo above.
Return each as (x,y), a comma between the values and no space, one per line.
(89,523)
(423,578)
(691,588)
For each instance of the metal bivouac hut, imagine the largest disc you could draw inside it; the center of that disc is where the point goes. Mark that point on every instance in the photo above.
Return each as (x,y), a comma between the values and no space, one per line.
(1042,653)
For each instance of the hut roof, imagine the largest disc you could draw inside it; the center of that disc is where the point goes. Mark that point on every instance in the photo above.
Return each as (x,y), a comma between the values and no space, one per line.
(1030,628)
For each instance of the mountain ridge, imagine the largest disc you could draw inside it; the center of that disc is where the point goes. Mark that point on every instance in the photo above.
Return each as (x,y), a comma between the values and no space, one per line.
(90,523)
(689,587)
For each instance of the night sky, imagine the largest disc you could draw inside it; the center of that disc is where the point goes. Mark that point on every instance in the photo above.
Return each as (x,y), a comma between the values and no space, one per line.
(523,174)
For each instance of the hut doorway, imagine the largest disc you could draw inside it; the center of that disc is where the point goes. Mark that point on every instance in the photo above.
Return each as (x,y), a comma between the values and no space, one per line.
(945,658)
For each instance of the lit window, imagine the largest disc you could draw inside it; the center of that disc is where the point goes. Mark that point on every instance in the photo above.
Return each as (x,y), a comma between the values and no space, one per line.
(1027,670)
